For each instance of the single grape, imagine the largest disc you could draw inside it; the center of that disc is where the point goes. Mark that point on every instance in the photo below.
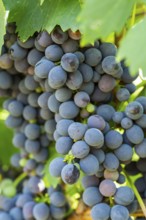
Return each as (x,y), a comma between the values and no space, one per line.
(100,211)
(140,149)
(57,77)
(111,162)
(63,125)
(74,80)
(86,71)
(135,134)
(63,94)
(69,62)
(106,83)
(58,36)
(113,139)
(106,111)
(122,94)
(56,166)
(108,49)
(93,56)
(70,174)
(107,188)
(68,110)
(119,212)
(41,211)
(124,152)
(43,67)
(6,80)
(53,104)
(57,199)
(63,145)
(32,131)
(92,196)
(126,123)
(134,110)
(77,130)
(94,137)
(70,46)
(124,195)
(89,164)
(81,99)
(80,149)
(28,209)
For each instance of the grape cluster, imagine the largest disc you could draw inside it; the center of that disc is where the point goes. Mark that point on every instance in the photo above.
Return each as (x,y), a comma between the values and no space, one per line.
(25,205)
(69,96)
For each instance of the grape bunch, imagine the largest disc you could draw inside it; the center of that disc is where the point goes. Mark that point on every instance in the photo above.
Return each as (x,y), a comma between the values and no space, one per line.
(75,100)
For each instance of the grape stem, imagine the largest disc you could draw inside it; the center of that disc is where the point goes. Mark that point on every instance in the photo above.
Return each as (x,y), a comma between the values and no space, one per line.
(133,16)
(139,199)
(19,179)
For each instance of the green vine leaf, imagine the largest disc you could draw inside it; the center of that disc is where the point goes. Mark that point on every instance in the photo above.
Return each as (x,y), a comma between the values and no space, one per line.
(36,15)
(60,12)
(27,15)
(99,18)
(133,47)
(2,22)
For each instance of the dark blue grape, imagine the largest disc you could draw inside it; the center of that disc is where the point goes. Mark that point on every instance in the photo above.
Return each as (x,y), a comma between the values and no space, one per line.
(56,166)
(63,94)
(124,195)
(134,110)
(69,62)
(119,212)
(124,152)
(140,149)
(16,213)
(93,56)
(53,104)
(32,146)
(77,130)
(17,52)
(106,83)
(92,196)
(68,110)
(70,174)
(74,80)
(28,209)
(58,36)
(86,71)
(57,199)
(108,49)
(122,94)
(113,139)
(57,77)
(70,46)
(63,145)
(96,121)
(41,211)
(106,111)
(111,162)
(53,52)
(43,67)
(32,131)
(135,134)
(100,211)
(80,149)
(81,99)
(94,137)
(34,56)
(15,108)
(89,164)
